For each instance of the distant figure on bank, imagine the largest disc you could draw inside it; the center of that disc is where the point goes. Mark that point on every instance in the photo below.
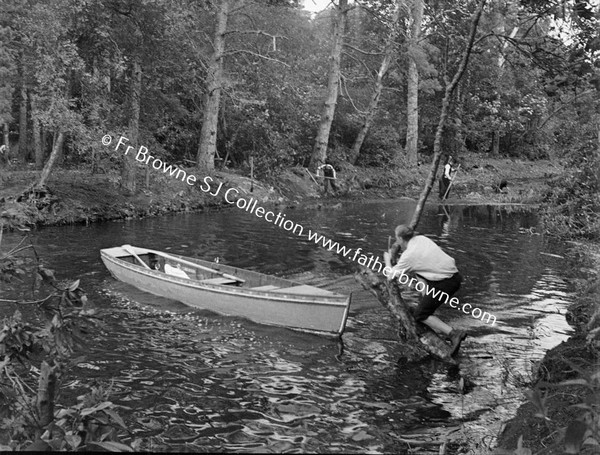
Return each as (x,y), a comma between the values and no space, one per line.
(502,187)
(3,154)
(447,176)
(423,257)
(329,177)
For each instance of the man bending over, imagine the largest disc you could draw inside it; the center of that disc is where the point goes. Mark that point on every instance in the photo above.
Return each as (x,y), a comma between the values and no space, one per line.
(437,270)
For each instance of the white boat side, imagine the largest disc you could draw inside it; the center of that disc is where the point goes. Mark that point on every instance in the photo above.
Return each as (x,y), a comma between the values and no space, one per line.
(287,304)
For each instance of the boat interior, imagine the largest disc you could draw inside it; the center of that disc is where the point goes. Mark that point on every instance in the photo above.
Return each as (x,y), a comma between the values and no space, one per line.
(218,274)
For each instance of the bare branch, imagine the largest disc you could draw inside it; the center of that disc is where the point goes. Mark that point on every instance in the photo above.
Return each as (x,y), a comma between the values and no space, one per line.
(392,89)
(361,51)
(243,51)
(239,8)
(258,32)
(558,109)
(360,62)
(30,302)
(345,88)
(254,32)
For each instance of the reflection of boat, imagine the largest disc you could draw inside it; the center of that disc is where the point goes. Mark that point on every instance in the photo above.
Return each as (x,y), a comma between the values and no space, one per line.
(228,290)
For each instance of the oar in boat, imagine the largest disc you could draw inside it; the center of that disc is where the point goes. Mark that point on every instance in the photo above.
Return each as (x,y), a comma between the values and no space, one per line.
(130,251)
(193,264)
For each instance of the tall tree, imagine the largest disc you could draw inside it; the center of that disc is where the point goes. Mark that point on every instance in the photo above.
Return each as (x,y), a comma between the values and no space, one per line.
(388,54)
(450,86)
(131,42)
(128,169)
(57,61)
(7,78)
(412,97)
(208,135)
(319,153)
(36,132)
(241,36)
(23,151)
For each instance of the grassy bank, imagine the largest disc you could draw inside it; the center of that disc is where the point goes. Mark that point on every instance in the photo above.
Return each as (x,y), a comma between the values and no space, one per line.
(74,196)
(474,182)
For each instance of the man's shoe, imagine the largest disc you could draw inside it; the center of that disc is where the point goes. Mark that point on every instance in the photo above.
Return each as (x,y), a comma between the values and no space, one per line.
(456,337)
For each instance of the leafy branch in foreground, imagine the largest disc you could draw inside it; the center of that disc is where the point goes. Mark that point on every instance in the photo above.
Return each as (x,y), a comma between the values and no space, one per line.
(34,360)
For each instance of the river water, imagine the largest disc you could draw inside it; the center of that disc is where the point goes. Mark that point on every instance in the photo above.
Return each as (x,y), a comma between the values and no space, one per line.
(191,380)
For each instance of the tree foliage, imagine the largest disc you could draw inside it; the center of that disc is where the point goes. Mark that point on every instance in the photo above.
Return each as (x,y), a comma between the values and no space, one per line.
(75,59)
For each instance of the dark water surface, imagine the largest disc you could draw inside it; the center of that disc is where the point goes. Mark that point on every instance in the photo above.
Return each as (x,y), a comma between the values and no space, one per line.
(196,381)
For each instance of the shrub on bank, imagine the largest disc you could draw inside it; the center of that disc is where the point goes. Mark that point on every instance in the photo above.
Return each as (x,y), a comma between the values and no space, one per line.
(37,351)
(572,205)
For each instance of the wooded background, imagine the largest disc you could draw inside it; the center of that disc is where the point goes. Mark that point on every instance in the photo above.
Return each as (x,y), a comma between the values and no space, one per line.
(205,83)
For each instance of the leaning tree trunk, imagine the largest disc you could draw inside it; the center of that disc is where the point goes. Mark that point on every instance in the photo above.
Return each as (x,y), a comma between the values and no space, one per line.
(437,152)
(420,340)
(128,169)
(56,147)
(412,97)
(383,69)
(205,158)
(319,153)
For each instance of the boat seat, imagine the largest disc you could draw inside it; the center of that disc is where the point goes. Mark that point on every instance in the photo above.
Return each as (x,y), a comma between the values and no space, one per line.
(219,280)
(305,289)
(268,287)
(174,271)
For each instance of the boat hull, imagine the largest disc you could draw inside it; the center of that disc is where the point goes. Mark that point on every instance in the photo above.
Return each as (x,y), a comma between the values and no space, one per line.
(305,312)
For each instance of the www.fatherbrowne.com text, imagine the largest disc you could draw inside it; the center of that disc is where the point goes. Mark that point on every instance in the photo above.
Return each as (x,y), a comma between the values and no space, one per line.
(250,205)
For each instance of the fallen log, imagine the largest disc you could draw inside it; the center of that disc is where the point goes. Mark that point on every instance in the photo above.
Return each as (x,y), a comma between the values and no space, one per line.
(420,341)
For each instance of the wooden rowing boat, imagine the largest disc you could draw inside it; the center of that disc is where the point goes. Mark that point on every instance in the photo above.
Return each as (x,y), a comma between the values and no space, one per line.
(229,290)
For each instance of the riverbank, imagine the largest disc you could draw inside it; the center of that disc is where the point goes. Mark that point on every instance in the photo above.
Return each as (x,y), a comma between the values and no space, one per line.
(562,415)
(76,197)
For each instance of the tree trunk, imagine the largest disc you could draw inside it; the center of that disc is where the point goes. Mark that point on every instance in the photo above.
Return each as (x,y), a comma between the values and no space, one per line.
(56,147)
(412,97)
(420,341)
(93,101)
(319,154)
(45,395)
(128,170)
(496,134)
(23,122)
(495,142)
(437,152)
(459,137)
(37,139)
(205,158)
(44,141)
(383,69)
